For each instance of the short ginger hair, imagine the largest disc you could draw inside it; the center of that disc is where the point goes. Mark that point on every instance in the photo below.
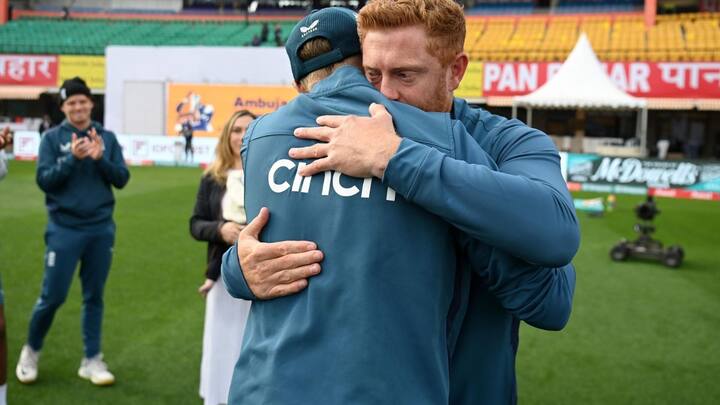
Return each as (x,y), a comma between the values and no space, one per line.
(443,20)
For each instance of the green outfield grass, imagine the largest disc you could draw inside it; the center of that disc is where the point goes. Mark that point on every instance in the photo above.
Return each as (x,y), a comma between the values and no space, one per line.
(640,333)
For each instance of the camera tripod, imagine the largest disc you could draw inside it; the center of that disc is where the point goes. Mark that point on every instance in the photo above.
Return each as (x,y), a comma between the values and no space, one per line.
(647,248)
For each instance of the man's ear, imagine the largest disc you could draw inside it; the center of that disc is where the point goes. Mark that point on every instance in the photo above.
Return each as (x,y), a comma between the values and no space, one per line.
(299,87)
(457,70)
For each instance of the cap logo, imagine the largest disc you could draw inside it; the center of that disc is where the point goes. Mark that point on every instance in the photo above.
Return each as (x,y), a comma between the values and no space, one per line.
(312,27)
(63,94)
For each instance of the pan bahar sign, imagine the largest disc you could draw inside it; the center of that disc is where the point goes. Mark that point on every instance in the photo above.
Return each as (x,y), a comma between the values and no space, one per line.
(681,179)
(208,106)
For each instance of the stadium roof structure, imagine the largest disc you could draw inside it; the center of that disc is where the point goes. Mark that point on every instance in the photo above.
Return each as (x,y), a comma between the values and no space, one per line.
(582,84)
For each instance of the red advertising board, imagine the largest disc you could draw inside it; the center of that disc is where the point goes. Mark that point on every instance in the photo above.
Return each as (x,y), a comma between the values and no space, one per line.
(29,70)
(641,79)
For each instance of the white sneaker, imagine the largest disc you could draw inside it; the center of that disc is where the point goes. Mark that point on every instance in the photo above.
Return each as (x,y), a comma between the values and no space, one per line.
(27,367)
(95,370)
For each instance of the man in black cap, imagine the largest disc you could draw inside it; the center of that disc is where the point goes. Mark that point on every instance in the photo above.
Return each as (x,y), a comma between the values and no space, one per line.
(78,163)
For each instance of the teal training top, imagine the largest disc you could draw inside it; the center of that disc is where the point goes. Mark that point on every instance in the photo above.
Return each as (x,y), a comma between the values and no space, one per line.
(78,193)
(524,208)
(372,328)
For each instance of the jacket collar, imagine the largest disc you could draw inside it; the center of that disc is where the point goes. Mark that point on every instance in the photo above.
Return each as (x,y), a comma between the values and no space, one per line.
(70,127)
(341,77)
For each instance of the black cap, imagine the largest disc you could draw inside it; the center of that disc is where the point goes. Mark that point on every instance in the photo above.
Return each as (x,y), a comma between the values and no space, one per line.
(74,86)
(337,25)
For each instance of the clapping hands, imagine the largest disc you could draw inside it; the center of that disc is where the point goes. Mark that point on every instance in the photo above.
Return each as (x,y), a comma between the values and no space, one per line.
(91,146)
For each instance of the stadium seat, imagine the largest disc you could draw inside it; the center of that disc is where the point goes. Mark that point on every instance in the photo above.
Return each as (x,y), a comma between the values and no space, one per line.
(676,37)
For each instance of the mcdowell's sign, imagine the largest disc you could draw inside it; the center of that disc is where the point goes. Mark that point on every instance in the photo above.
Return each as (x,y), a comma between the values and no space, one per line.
(643,172)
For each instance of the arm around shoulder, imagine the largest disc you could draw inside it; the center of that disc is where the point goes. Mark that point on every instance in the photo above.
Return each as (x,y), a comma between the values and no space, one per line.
(540,296)
(531,154)
(482,194)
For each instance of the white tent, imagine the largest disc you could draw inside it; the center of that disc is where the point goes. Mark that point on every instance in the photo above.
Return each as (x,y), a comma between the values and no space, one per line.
(582,83)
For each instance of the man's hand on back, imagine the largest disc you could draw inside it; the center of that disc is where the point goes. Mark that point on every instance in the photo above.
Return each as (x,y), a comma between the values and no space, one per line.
(355,146)
(277,269)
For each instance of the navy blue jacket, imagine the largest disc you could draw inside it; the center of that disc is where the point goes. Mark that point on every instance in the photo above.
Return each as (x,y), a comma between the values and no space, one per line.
(78,193)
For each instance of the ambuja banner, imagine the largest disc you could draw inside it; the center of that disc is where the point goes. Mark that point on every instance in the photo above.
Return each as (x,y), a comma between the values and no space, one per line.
(208,106)
(139,150)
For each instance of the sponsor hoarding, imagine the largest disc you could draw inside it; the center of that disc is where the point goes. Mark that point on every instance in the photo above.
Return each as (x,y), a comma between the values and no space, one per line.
(627,175)
(583,172)
(51,70)
(472,83)
(209,106)
(89,68)
(641,79)
(26,145)
(138,150)
(28,70)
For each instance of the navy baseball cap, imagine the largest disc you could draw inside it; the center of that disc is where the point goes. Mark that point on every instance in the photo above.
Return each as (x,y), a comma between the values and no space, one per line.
(336,24)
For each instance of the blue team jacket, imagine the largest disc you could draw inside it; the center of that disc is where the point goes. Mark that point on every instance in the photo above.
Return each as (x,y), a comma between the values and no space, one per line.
(504,289)
(372,328)
(78,193)
(522,206)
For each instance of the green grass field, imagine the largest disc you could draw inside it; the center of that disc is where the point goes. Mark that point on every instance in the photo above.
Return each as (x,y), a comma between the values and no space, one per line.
(639,334)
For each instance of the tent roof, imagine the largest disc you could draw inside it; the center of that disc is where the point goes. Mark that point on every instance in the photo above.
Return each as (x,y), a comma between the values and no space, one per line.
(581,82)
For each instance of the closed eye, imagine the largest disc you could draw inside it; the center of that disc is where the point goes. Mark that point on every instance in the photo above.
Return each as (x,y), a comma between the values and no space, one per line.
(372,76)
(406,76)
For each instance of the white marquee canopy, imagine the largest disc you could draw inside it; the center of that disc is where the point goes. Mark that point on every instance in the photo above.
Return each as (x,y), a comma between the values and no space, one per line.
(581,83)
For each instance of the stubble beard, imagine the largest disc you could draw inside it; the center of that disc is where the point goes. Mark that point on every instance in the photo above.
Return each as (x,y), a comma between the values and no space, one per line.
(440,100)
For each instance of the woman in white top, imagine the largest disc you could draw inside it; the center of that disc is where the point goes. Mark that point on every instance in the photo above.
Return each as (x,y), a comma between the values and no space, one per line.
(218,218)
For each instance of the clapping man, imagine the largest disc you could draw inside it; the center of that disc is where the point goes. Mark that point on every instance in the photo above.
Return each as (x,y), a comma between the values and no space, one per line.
(78,164)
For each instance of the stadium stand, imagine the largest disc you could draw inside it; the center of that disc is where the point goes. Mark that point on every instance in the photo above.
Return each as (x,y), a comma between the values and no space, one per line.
(541,38)
(615,37)
(521,7)
(598,6)
(90,37)
(504,7)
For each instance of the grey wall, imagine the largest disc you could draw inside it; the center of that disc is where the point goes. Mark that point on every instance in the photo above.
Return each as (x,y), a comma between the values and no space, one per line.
(144,108)
(138,70)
